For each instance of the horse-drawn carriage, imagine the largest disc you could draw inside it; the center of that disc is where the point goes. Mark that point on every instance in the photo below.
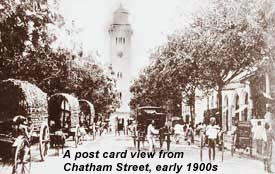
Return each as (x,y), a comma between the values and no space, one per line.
(64,115)
(144,117)
(242,137)
(22,104)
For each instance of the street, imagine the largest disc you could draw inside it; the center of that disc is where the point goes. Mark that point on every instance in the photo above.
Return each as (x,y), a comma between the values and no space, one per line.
(111,143)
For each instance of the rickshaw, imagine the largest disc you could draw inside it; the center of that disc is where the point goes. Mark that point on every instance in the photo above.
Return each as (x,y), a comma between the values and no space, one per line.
(87,108)
(144,117)
(25,101)
(242,138)
(64,113)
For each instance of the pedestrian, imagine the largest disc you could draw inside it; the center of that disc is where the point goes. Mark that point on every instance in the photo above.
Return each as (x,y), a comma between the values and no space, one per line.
(212,131)
(269,137)
(82,127)
(116,126)
(269,116)
(198,128)
(120,126)
(178,132)
(190,134)
(151,131)
(259,134)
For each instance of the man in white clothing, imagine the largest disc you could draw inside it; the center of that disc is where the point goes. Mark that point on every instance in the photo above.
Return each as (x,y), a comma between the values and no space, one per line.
(151,131)
(259,136)
(212,132)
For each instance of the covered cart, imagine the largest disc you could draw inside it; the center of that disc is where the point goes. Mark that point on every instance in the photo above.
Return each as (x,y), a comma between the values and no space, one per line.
(87,108)
(145,115)
(64,113)
(27,100)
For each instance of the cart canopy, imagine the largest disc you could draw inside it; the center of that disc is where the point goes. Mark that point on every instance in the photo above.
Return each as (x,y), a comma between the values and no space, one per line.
(64,110)
(88,109)
(22,98)
(146,114)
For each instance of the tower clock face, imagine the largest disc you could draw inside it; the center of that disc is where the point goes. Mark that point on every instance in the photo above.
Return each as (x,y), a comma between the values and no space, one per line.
(120,54)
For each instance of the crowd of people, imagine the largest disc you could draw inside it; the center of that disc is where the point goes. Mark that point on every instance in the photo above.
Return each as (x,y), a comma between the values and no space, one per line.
(263,135)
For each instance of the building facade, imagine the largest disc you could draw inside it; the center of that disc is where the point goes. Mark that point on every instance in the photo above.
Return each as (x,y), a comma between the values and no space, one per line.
(243,99)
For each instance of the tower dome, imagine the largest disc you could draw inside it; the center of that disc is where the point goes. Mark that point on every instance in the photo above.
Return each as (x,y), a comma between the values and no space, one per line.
(121,16)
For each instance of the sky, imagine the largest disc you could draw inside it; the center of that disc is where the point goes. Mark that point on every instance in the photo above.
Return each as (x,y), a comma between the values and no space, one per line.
(151,20)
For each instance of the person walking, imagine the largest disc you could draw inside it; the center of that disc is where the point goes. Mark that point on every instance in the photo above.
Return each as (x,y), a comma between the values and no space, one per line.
(212,131)
(269,137)
(259,134)
(178,132)
(190,134)
(151,131)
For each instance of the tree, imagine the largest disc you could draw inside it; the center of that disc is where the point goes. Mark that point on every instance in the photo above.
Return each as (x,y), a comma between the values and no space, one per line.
(88,80)
(25,42)
(229,44)
(27,53)
(171,78)
(229,39)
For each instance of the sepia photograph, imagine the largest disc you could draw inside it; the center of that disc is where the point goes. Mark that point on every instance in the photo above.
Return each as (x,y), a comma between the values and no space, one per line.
(137,86)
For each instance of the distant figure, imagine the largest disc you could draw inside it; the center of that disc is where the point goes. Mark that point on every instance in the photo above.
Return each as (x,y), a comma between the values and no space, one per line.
(269,137)
(178,132)
(259,135)
(199,127)
(82,127)
(212,131)
(116,126)
(151,131)
(120,126)
(189,135)
(269,116)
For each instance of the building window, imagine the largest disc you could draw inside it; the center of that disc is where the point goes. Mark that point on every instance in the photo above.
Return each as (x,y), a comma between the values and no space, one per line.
(119,75)
(120,95)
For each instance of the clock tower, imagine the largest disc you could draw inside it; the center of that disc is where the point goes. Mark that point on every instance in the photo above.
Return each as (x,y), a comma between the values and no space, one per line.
(120,33)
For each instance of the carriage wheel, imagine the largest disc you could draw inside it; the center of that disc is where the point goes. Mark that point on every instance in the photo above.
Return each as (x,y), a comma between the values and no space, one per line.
(44,139)
(22,159)
(77,136)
